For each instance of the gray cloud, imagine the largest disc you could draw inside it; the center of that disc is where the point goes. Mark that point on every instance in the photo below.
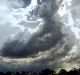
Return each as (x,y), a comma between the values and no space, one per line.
(48,37)
(26,2)
(53,40)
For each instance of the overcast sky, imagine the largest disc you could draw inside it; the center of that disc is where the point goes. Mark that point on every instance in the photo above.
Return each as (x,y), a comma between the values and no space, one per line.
(39,32)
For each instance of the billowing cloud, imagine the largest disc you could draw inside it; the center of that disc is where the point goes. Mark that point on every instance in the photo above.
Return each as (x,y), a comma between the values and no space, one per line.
(13,13)
(47,37)
(43,40)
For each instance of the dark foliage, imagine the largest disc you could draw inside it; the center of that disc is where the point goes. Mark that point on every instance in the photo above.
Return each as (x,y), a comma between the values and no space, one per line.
(45,72)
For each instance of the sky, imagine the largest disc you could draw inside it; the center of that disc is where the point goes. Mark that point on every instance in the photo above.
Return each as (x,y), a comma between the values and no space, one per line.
(38,34)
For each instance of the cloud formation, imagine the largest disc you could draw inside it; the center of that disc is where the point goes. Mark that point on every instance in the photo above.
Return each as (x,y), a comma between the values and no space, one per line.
(46,42)
(46,38)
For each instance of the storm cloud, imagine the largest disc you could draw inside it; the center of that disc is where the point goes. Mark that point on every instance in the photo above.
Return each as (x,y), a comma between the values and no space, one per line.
(46,38)
(48,43)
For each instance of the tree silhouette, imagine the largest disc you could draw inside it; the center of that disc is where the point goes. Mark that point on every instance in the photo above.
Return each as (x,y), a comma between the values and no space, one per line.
(47,72)
(63,72)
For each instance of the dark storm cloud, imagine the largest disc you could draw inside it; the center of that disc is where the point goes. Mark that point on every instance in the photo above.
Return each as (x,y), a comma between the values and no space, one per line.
(47,38)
